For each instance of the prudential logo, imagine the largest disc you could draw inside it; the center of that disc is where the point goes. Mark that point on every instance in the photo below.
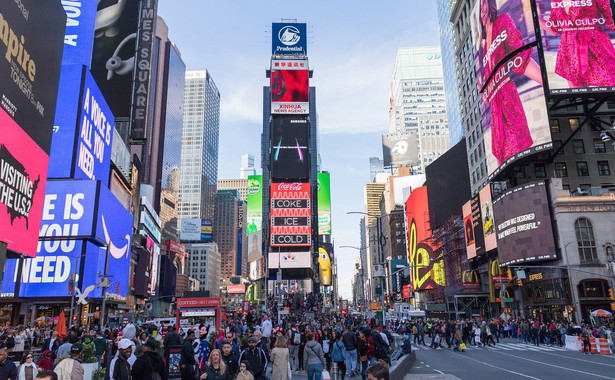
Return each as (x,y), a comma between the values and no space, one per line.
(289,35)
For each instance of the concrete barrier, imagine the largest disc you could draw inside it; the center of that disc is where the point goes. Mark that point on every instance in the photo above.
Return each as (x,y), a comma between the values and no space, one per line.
(402,366)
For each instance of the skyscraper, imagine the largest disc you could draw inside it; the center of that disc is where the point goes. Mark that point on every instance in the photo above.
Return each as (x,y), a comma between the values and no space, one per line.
(247,166)
(225,233)
(418,91)
(199,162)
(375,166)
(447,45)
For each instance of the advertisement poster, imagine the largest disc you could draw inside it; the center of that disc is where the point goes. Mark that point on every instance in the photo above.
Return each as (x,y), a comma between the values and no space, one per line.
(290,214)
(254,223)
(400,149)
(473,228)
(324,203)
(486,211)
(206,230)
(289,260)
(577,39)
(513,107)
(425,274)
(79,35)
(190,229)
(469,230)
(523,225)
(289,148)
(290,87)
(325,262)
(288,39)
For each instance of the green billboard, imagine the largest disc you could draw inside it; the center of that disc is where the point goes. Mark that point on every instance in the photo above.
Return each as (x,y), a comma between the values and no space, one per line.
(324,204)
(254,225)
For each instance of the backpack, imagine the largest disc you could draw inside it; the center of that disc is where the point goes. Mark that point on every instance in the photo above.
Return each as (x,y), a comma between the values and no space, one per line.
(296,337)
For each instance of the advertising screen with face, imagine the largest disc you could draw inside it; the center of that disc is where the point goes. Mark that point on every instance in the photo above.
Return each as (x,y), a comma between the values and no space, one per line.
(578,43)
(400,148)
(486,211)
(523,225)
(469,230)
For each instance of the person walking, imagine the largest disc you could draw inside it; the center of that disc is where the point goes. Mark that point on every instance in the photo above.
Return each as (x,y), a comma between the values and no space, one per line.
(215,368)
(150,364)
(232,365)
(256,358)
(349,338)
(362,352)
(27,370)
(294,340)
(338,357)
(70,368)
(280,359)
(187,360)
(314,358)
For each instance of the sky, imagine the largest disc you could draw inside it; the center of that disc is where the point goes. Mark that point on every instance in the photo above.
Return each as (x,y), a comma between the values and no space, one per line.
(351,48)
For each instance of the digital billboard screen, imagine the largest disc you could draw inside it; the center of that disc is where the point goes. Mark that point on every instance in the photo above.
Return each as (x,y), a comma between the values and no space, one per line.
(578,45)
(79,35)
(290,87)
(325,263)
(289,260)
(289,148)
(400,149)
(512,100)
(486,212)
(291,203)
(324,203)
(254,220)
(288,38)
(523,225)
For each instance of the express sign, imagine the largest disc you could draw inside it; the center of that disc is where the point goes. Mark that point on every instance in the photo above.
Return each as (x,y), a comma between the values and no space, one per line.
(290,214)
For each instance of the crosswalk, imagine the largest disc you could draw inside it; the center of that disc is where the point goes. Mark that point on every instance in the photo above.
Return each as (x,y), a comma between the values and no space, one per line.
(503,347)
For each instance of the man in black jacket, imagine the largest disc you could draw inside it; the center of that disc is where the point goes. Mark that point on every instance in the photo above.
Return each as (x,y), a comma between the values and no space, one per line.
(229,358)
(349,338)
(380,347)
(256,358)
(149,363)
(187,361)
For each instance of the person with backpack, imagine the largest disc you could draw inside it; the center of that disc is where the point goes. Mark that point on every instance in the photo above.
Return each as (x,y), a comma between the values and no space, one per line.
(338,357)
(150,365)
(294,340)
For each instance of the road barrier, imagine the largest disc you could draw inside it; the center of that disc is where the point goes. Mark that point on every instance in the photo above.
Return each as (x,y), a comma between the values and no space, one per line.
(603,345)
(403,366)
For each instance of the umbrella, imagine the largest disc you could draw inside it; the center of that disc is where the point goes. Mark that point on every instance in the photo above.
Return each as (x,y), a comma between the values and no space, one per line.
(61,326)
(42,319)
(601,313)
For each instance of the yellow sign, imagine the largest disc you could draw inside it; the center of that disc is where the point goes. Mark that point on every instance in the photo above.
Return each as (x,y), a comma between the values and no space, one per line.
(537,276)
(375,306)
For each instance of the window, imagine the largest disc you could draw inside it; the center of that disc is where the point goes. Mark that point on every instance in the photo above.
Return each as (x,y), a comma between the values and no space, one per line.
(554,126)
(519,172)
(582,169)
(557,144)
(603,168)
(577,146)
(586,241)
(574,124)
(560,170)
(599,146)
(540,171)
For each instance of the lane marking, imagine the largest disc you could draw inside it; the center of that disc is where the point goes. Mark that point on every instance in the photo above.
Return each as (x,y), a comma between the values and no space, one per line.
(437,370)
(557,366)
(582,360)
(499,368)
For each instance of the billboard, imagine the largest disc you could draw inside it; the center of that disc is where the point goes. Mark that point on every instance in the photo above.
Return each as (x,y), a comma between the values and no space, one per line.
(290,87)
(79,35)
(190,229)
(523,225)
(323,180)
(325,263)
(290,214)
(206,230)
(513,107)
(425,275)
(289,145)
(473,227)
(290,260)
(83,129)
(113,55)
(254,223)
(578,45)
(486,212)
(400,149)
(288,38)
(397,280)
(235,289)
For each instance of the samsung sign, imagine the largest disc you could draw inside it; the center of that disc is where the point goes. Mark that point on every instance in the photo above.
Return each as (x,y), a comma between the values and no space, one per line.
(289,39)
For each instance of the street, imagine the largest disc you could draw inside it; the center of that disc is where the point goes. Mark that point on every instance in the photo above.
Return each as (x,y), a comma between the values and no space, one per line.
(511,360)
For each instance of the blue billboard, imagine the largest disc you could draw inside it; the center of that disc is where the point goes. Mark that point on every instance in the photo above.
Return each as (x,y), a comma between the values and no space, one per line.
(79,34)
(207,228)
(83,129)
(289,38)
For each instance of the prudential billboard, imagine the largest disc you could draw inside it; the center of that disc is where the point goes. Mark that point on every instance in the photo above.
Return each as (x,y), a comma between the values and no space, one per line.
(289,38)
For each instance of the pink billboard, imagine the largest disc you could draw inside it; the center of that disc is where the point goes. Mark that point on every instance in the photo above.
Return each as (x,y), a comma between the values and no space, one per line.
(23,174)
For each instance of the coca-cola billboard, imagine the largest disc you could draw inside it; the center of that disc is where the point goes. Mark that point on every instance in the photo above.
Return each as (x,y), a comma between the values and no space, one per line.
(290,214)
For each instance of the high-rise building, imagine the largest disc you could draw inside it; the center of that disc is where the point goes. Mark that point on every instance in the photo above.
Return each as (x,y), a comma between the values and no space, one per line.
(376,165)
(447,46)
(199,162)
(204,265)
(247,166)
(225,233)
(241,186)
(418,90)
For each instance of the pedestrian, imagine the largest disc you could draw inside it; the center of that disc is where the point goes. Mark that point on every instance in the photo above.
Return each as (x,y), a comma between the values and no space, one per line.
(377,371)
(70,368)
(46,375)
(585,337)
(280,360)
(119,368)
(46,362)
(27,370)
(314,358)
(338,357)
(216,368)
(150,364)
(171,339)
(362,352)
(263,344)
(294,340)
(349,338)
(187,361)
(256,358)
(231,362)
(266,327)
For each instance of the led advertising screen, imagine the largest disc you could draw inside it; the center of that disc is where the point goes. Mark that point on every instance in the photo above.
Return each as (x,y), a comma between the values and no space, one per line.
(486,212)
(289,260)
(290,214)
(324,203)
(513,107)
(578,45)
(206,230)
(254,219)
(32,35)
(425,275)
(289,148)
(113,55)
(79,35)
(83,129)
(473,227)
(288,38)
(290,87)
(22,187)
(523,225)
(397,280)
(325,263)
(400,149)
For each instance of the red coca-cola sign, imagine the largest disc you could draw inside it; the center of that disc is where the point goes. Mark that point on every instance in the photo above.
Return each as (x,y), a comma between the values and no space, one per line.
(297,186)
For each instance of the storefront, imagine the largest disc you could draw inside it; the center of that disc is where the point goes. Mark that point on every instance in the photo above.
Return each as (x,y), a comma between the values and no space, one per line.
(593,295)
(546,294)
(202,310)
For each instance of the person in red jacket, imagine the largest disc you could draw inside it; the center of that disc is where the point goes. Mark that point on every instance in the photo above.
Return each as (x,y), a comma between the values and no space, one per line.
(46,362)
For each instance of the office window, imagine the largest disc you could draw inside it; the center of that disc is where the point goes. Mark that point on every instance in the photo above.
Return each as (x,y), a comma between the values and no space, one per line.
(599,146)
(578,147)
(603,168)
(557,144)
(586,241)
(554,126)
(519,172)
(560,170)
(574,124)
(582,169)
(540,171)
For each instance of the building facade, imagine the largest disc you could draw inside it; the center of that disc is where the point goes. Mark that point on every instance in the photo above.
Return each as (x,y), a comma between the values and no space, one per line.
(204,266)
(247,166)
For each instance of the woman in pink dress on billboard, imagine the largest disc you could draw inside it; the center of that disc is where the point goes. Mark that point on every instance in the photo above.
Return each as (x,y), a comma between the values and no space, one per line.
(585,55)
(510,133)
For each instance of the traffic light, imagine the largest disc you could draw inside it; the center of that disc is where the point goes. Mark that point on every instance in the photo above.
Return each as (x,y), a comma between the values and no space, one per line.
(117,288)
(612,294)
